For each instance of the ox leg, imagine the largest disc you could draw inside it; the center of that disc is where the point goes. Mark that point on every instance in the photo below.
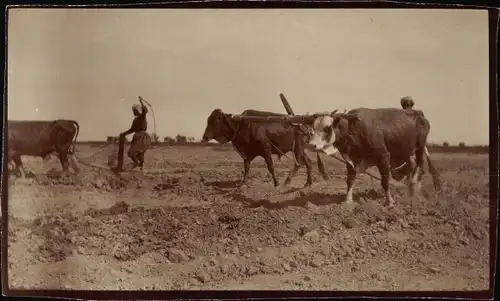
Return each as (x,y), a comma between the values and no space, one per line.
(74,163)
(384,167)
(63,157)
(19,165)
(435,174)
(415,181)
(308,164)
(288,180)
(246,169)
(418,172)
(270,167)
(351,176)
(301,158)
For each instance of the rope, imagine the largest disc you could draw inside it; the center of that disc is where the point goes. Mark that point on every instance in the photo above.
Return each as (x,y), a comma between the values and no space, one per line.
(152,113)
(283,154)
(92,165)
(368,173)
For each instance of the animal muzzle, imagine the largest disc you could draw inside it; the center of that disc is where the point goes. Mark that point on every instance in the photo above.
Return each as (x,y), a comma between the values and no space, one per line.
(206,137)
(313,147)
(315,144)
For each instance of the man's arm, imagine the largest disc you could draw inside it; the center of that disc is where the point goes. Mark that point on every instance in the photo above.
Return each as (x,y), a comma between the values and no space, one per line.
(144,108)
(129,131)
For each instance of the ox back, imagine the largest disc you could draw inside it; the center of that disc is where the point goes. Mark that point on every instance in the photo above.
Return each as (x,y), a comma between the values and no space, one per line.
(400,131)
(41,138)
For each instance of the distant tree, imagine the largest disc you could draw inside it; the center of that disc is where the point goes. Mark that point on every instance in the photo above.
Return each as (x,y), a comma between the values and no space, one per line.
(446,144)
(191,139)
(155,139)
(169,140)
(181,139)
(461,145)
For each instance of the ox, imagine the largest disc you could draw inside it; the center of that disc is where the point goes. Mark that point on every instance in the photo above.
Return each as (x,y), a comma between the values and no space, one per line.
(386,138)
(251,140)
(41,139)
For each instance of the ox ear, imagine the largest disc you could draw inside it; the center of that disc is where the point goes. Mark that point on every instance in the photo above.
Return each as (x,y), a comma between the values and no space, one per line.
(351,117)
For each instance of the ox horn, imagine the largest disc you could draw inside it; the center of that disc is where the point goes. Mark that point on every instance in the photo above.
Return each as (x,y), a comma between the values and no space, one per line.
(333,113)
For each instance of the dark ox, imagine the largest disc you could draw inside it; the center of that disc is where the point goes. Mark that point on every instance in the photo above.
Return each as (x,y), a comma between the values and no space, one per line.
(41,139)
(385,138)
(252,140)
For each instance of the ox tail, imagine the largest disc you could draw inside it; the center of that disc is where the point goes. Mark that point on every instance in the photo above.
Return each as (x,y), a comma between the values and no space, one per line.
(435,174)
(73,145)
(321,167)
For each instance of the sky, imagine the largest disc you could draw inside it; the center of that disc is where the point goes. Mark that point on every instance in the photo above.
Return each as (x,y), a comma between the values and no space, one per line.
(92,64)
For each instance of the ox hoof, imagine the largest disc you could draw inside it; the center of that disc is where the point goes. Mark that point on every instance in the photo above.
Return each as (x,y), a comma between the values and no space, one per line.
(116,170)
(348,201)
(414,189)
(349,205)
(389,204)
(242,186)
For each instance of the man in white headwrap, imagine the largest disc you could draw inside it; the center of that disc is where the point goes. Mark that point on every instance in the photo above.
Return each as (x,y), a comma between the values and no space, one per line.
(141,140)
(407,102)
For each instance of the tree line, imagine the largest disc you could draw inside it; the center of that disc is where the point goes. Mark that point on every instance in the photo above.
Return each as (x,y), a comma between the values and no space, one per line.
(183,139)
(155,139)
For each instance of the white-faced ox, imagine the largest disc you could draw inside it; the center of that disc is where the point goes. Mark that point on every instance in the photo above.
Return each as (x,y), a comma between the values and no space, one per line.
(253,139)
(385,138)
(41,139)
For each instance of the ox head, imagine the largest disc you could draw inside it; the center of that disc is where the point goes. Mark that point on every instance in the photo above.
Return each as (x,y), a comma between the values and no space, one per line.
(328,131)
(218,127)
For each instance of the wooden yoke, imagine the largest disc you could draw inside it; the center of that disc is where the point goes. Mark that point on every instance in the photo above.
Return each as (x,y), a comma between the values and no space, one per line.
(304,119)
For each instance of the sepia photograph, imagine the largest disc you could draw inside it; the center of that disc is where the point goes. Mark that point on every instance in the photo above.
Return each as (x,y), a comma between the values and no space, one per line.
(247,149)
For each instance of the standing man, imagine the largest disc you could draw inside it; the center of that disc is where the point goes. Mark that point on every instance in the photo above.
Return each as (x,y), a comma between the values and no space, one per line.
(141,139)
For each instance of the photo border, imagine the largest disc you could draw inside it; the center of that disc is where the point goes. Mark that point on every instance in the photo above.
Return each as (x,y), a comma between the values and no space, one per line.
(493,18)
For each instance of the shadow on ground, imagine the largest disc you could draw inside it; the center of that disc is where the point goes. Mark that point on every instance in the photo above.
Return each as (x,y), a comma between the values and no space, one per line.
(316,198)
(227,184)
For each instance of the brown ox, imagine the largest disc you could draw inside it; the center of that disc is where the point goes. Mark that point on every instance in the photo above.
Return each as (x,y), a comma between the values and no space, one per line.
(251,140)
(41,139)
(385,138)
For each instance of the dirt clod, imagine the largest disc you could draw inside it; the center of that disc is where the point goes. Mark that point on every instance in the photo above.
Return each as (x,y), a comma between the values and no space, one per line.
(176,256)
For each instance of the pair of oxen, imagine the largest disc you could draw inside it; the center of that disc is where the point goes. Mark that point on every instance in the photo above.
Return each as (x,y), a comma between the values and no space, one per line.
(386,138)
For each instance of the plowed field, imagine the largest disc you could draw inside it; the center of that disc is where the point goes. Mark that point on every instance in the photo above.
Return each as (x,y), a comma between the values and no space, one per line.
(184,224)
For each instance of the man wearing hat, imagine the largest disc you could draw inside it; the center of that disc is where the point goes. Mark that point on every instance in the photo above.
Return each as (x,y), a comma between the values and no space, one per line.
(141,139)
(407,102)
